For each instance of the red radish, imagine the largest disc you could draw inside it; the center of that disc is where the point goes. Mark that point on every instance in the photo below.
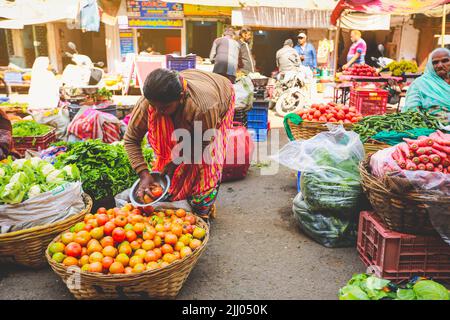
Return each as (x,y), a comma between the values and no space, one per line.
(429,166)
(424,159)
(435,159)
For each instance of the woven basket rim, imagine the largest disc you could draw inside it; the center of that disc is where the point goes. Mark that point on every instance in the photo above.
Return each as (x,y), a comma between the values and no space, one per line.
(88,205)
(316,124)
(135,276)
(425,196)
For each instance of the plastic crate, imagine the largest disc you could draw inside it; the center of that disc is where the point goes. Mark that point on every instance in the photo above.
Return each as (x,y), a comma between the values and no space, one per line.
(21,144)
(259,113)
(181,63)
(369,102)
(258,135)
(398,256)
(240,116)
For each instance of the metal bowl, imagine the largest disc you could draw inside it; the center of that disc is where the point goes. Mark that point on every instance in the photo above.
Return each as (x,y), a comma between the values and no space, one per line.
(163,181)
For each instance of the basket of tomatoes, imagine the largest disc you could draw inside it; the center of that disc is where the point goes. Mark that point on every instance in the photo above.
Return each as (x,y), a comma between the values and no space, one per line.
(126,253)
(315,118)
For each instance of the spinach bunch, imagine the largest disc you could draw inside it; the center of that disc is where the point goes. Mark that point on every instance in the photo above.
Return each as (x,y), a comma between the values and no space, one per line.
(105,169)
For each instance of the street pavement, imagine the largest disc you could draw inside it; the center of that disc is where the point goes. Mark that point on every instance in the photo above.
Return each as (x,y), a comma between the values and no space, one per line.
(255,251)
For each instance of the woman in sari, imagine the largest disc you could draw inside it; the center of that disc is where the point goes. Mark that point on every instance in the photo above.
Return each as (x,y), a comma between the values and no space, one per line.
(179,101)
(431,91)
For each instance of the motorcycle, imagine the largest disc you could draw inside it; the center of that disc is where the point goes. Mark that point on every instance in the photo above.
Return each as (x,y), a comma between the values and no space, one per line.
(81,78)
(292,91)
(391,86)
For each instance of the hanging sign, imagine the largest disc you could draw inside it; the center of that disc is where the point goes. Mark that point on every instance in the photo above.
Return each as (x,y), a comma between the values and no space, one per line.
(155,23)
(126,42)
(154,9)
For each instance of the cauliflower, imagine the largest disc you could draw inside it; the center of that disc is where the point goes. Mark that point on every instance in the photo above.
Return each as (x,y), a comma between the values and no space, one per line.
(2,173)
(18,164)
(18,178)
(72,171)
(35,161)
(47,169)
(56,176)
(34,191)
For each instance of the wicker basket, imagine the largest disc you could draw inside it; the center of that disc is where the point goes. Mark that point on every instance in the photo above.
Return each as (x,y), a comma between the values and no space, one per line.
(406,213)
(373,146)
(308,129)
(164,283)
(27,247)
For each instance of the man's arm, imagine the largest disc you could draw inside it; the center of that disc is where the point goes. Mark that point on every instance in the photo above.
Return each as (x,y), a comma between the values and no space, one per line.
(213,53)
(314,56)
(352,60)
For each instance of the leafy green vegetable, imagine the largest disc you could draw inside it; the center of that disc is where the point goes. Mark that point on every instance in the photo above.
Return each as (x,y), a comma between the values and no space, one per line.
(406,294)
(23,179)
(104,168)
(352,292)
(29,128)
(430,290)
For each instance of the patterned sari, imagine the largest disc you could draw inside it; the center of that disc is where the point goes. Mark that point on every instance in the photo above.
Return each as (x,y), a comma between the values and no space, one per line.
(197,183)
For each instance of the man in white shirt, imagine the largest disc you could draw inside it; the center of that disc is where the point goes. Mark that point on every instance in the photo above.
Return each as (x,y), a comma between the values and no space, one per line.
(287,57)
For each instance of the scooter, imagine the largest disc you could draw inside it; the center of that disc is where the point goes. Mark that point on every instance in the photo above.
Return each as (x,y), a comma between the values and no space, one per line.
(82,77)
(391,86)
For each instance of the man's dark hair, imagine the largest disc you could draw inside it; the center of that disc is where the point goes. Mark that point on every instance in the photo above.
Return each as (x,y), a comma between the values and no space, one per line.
(162,85)
(243,31)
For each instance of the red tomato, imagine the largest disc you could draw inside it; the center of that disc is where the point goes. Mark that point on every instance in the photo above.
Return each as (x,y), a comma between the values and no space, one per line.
(109,227)
(354,119)
(102,219)
(323,119)
(73,249)
(332,120)
(118,234)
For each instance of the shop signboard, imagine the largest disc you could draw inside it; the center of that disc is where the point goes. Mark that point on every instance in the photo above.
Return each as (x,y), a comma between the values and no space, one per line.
(126,42)
(154,9)
(155,23)
(211,11)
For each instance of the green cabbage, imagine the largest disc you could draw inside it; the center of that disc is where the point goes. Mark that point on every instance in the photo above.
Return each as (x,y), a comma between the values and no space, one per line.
(430,290)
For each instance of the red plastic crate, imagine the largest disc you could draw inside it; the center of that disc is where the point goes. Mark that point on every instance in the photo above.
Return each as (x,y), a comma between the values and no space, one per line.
(398,256)
(369,102)
(21,144)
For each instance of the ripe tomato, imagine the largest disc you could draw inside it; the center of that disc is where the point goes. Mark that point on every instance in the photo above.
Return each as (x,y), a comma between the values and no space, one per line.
(135,260)
(190,218)
(88,227)
(107,241)
(130,235)
(195,243)
(177,229)
(156,192)
(107,262)
(166,248)
(157,241)
(135,245)
(96,257)
(97,233)
(94,247)
(83,260)
(102,219)
(109,251)
(158,252)
(149,233)
(73,249)
(125,248)
(95,267)
(123,259)
(180,213)
(70,261)
(148,245)
(118,234)
(170,239)
(109,227)
(67,237)
(116,268)
(150,256)
(120,220)
(139,228)
(185,251)
(136,212)
(101,210)
(169,258)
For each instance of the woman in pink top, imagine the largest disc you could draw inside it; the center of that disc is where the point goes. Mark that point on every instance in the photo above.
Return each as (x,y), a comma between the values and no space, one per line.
(357,51)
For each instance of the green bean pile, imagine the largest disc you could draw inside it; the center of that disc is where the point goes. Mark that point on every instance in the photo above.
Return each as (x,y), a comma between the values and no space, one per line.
(399,122)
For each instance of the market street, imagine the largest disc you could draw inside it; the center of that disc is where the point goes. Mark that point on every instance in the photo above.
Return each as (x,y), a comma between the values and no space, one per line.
(255,251)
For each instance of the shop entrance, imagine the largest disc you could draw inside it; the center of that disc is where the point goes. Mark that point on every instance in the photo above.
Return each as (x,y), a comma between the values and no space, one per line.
(164,41)
(200,37)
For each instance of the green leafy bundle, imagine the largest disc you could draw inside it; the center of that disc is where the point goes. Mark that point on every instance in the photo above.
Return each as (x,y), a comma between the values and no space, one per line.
(368,287)
(105,168)
(29,128)
(23,179)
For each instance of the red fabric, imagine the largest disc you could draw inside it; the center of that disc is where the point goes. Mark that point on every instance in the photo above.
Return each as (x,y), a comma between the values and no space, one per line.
(93,124)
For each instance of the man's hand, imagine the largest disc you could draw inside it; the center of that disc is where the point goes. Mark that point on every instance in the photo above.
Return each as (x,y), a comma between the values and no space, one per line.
(302,57)
(144,185)
(345,66)
(169,169)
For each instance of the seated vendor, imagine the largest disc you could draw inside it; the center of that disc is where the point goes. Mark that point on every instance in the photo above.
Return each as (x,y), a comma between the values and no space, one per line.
(175,101)
(431,91)
(6,141)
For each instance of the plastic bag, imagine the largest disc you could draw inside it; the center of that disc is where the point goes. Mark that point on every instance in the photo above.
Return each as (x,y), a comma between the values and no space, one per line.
(329,165)
(244,94)
(124,197)
(326,228)
(55,205)
(60,121)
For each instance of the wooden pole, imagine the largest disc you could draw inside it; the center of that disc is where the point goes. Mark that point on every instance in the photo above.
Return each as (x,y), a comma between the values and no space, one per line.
(336,45)
(444,12)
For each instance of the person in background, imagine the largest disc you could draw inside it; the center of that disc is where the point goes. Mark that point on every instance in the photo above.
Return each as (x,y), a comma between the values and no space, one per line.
(431,91)
(6,140)
(181,100)
(357,52)
(306,51)
(246,63)
(225,55)
(287,58)
(150,51)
